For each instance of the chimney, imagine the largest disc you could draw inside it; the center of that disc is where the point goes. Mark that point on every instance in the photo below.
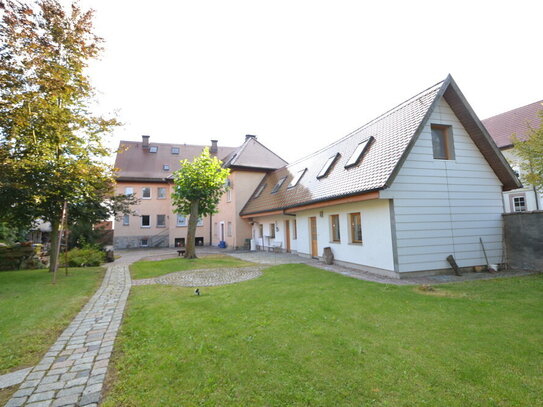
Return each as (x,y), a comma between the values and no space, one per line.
(249,136)
(214,149)
(145,141)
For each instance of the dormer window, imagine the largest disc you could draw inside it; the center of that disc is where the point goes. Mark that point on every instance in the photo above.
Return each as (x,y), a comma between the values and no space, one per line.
(175,150)
(327,165)
(259,190)
(166,167)
(278,185)
(359,152)
(297,178)
(153,149)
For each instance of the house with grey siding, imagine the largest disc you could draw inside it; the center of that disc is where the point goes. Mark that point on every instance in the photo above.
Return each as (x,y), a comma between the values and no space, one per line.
(395,197)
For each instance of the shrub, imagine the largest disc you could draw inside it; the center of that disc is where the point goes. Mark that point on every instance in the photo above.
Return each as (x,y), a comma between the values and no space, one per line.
(86,257)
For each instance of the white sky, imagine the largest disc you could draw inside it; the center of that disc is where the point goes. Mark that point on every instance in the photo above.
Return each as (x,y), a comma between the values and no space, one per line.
(302,74)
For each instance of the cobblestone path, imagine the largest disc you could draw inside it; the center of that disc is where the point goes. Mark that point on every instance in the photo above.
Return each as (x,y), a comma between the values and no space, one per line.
(72,372)
(205,277)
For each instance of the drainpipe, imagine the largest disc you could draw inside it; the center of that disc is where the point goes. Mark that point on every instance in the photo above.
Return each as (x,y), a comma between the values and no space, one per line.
(210,230)
(536,198)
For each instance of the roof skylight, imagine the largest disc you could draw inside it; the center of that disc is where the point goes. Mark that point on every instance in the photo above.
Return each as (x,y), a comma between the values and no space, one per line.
(327,165)
(153,149)
(297,178)
(359,152)
(278,185)
(259,190)
(175,150)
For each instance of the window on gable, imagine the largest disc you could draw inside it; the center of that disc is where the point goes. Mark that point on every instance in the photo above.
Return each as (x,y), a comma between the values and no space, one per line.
(359,152)
(442,142)
(153,149)
(327,165)
(175,150)
(166,167)
(278,185)
(259,190)
(297,178)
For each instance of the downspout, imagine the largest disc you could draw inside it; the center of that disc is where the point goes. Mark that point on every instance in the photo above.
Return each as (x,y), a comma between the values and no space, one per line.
(536,198)
(211,229)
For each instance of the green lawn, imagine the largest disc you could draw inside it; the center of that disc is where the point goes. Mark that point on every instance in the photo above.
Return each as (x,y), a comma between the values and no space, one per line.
(149,269)
(34,311)
(300,336)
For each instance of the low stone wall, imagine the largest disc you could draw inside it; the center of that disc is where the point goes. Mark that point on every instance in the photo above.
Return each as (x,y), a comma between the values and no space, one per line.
(133,242)
(524,240)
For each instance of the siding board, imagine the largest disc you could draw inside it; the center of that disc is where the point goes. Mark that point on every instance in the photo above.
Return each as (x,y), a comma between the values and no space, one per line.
(442,207)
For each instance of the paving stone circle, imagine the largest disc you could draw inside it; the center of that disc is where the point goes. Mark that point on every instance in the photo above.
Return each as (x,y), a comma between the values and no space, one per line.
(205,277)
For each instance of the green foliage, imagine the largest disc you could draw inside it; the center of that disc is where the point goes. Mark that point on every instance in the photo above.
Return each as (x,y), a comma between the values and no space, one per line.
(531,153)
(300,336)
(10,235)
(202,181)
(88,256)
(198,186)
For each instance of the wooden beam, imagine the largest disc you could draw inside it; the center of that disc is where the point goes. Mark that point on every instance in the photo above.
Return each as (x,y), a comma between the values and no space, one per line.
(357,198)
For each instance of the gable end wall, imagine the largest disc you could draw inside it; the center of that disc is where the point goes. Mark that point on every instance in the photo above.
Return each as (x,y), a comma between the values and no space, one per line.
(442,207)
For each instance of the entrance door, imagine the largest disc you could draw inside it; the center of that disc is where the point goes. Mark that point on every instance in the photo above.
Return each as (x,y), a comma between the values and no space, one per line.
(287,235)
(314,248)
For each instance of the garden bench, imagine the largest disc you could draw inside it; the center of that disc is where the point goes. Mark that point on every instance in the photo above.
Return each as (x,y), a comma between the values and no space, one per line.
(180,252)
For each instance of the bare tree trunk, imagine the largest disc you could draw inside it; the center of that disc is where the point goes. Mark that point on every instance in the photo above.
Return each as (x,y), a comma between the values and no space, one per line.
(55,246)
(191,233)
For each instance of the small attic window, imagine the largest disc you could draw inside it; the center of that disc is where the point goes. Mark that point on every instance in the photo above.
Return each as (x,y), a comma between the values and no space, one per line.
(153,149)
(175,150)
(259,190)
(297,178)
(359,152)
(327,165)
(278,185)
(166,167)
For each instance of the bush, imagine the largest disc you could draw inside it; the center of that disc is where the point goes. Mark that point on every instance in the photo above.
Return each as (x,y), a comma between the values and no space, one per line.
(85,257)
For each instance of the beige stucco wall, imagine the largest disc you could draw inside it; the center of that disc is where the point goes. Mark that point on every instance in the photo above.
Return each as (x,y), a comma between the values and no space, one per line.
(129,236)
(243,185)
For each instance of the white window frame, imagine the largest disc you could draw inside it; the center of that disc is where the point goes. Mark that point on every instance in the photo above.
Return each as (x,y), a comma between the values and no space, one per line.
(175,150)
(229,229)
(512,198)
(143,193)
(146,242)
(146,226)
(181,220)
(129,190)
(126,220)
(153,149)
(158,225)
(158,193)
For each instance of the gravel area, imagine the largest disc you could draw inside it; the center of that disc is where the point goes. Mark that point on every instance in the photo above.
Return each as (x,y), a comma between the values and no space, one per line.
(205,277)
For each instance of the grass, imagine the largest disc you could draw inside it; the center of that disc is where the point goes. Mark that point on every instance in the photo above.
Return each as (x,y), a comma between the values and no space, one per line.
(300,336)
(34,311)
(149,269)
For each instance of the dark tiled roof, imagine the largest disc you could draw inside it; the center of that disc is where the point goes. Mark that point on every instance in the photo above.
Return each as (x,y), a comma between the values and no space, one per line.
(136,163)
(517,121)
(253,154)
(394,133)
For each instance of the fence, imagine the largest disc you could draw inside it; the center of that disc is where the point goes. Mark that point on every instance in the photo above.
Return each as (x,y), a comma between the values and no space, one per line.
(524,240)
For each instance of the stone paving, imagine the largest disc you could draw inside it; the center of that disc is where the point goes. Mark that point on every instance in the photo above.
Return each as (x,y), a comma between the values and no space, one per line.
(72,372)
(205,277)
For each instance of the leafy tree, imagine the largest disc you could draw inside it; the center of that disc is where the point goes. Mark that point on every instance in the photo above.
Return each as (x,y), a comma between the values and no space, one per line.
(51,152)
(531,153)
(198,188)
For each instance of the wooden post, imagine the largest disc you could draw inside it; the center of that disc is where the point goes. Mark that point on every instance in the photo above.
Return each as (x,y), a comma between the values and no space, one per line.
(57,244)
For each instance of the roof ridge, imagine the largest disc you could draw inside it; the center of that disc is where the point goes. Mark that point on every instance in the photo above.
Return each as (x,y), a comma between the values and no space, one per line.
(517,108)
(378,118)
(175,144)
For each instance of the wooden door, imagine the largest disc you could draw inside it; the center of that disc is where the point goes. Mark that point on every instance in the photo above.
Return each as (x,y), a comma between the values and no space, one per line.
(287,235)
(314,248)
